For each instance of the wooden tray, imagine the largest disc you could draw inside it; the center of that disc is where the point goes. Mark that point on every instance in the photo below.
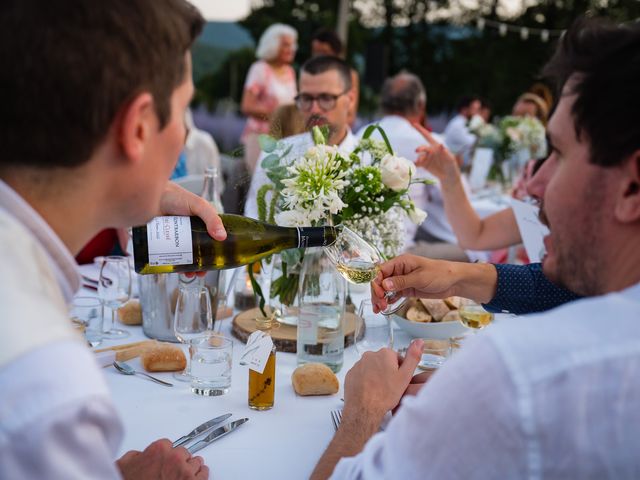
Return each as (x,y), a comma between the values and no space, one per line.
(284,337)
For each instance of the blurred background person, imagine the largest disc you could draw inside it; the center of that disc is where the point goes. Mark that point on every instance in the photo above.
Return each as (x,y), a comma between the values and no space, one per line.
(200,149)
(327,42)
(457,136)
(271,82)
(485,110)
(531,105)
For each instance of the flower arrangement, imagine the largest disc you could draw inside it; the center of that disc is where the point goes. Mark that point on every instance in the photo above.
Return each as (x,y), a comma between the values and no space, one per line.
(511,135)
(366,190)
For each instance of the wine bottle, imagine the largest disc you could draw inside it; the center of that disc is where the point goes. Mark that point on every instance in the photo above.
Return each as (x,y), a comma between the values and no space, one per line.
(182,244)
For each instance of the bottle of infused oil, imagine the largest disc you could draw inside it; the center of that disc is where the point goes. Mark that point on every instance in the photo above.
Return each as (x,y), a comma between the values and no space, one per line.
(262,386)
(182,244)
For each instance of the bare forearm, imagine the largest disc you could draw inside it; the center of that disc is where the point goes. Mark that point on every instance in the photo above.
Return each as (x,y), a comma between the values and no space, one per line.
(466,223)
(477,281)
(348,441)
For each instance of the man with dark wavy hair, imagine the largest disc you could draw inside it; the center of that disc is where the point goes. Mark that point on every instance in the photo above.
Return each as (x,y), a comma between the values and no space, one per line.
(553,395)
(93,101)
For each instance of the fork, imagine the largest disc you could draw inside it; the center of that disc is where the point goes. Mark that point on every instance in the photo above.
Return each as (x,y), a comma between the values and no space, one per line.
(336,417)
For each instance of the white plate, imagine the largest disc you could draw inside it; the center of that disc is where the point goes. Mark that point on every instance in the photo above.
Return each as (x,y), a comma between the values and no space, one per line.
(437,330)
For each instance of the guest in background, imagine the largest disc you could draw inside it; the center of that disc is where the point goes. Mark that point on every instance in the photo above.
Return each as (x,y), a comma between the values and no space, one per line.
(457,136)
(286,121)
(485,110)
(200,148)
(325,99)
(327,42)
(531,105)
(271,82)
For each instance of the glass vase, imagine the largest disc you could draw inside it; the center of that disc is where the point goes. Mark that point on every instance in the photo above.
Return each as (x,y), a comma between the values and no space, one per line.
(321,296)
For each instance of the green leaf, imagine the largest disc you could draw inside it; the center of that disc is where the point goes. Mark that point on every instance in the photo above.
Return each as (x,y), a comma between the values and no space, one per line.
(267,143)
(270,161)
(371,128)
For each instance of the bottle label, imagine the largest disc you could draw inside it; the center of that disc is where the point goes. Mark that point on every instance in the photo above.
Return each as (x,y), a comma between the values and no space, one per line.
(257,351)
(169,241)
(311,237)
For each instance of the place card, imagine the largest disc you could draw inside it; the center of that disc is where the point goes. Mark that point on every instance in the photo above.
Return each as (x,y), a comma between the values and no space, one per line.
(532,230)
(257,351)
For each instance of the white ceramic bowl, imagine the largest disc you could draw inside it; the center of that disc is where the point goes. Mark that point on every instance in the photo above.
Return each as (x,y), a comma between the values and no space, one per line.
(437,330)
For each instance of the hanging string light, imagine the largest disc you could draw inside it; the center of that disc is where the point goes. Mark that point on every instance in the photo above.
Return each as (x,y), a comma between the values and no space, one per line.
(524,32)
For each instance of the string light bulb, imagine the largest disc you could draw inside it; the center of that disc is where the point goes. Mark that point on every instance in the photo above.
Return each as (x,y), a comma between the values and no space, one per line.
(524,33)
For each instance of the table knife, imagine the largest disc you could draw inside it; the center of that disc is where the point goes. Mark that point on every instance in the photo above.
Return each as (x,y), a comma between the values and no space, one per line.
(216,434)
(200,429)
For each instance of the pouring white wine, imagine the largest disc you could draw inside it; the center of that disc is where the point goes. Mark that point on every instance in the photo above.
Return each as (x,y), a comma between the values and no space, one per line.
(182,244)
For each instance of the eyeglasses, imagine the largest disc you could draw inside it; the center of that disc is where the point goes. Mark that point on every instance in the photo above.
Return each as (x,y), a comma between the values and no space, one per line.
(326,101)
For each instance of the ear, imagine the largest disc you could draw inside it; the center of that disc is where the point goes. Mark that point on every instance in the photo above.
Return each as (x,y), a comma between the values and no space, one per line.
(627,208)
(138,119)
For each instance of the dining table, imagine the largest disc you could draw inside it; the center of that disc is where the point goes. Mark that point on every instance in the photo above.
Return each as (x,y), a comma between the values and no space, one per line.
(284,442)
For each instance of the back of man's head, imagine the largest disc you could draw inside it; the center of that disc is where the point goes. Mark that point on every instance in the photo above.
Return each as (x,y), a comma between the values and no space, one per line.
(69,66)
(601,63)
(326,63)
(403,94)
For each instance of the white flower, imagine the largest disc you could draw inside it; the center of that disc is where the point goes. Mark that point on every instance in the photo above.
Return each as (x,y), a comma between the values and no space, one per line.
(476,123)
(292,218)
(396,172)
(417,215)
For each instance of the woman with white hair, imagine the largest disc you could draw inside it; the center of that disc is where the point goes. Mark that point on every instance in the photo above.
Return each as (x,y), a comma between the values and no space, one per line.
(271,82)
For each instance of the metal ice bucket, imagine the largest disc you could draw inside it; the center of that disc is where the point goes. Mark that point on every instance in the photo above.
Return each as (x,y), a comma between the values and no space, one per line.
(158,296)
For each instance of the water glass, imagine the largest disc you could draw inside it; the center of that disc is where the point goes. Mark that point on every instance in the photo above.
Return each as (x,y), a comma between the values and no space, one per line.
(373,330)
(114,289)
(192,318)
(434,354)
(89,312)
(211,357)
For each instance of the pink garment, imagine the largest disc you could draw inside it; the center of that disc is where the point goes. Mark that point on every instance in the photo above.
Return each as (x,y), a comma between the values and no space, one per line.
(272,90)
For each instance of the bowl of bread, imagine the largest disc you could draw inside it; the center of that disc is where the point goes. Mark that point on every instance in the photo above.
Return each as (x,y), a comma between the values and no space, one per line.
(432,318)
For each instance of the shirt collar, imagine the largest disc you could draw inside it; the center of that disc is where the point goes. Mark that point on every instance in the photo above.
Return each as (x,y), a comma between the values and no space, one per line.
(62,262)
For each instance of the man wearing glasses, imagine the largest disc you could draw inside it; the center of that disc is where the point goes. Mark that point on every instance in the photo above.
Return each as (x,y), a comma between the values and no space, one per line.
(324,99)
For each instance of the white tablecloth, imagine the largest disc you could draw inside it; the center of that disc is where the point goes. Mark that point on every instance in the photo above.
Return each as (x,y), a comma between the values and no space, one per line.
(282,443)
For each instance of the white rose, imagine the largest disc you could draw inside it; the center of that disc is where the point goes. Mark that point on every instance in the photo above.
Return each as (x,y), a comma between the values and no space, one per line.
(417,215)
(396,172)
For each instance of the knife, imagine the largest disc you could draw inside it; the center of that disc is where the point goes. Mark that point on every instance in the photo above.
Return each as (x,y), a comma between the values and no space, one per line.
(216,434)
(200,429)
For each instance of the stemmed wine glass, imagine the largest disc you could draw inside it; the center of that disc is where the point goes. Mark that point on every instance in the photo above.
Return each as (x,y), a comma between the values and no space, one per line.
(474,316)
(193,317)
(373,330)
(358,262)
(114,289)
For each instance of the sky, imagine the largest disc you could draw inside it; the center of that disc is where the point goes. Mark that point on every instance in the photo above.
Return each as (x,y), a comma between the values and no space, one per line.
(223,10)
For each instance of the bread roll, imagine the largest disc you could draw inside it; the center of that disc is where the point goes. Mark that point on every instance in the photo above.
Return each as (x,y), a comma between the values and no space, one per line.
(314,379)
(416,314)
(452,316)
(131,313)
(163,357)
(437,308)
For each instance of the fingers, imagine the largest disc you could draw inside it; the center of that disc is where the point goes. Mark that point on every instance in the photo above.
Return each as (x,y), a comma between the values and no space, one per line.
(411,359)
(208,214)
(422,377)
(413,389)
(203,474)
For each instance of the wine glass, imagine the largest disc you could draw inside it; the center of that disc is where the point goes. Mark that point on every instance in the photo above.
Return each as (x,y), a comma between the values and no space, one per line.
(358,262)
(474,316)
(193,316)
(114,289)
(373,330)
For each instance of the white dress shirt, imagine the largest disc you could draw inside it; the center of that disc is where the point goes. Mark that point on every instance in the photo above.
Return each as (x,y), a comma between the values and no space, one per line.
(56,417)
(300,144)
(551,396)
(458,138)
